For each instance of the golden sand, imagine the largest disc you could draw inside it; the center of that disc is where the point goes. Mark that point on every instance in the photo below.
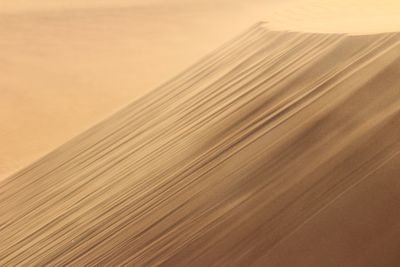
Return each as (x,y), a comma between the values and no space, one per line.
(279,149)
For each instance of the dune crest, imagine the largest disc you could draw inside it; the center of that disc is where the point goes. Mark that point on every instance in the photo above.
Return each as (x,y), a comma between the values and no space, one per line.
(69,64)
(239,160)
(358,17)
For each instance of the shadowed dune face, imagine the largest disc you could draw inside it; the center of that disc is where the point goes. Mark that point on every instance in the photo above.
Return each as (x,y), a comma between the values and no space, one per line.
(266,152)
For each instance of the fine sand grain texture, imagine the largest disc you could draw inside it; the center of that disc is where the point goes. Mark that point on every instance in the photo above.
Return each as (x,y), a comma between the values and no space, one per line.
(281,148)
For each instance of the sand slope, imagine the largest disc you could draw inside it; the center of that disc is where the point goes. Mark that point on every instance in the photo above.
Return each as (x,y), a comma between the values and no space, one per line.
(66,65)
(279,149)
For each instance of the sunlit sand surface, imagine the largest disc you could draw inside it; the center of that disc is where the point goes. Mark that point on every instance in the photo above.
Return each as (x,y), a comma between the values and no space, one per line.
(66,65)
(65,69)
(237,161)
(333,16)
(279,148)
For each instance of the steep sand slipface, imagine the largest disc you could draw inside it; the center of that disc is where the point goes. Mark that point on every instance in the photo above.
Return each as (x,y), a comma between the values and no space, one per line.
(280,149)
(66,65)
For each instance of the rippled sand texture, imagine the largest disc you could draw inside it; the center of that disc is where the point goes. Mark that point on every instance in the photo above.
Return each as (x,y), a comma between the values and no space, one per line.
(65,65)
(279,149)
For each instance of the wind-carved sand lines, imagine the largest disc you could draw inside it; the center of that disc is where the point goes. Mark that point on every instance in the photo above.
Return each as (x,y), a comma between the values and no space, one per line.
(223,165)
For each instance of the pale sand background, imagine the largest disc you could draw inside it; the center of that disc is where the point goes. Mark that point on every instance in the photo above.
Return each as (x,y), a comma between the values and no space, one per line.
(66,65)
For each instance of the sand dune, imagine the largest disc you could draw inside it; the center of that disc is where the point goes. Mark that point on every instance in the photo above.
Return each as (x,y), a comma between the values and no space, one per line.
(66,65)
(279,149)
(334,16)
